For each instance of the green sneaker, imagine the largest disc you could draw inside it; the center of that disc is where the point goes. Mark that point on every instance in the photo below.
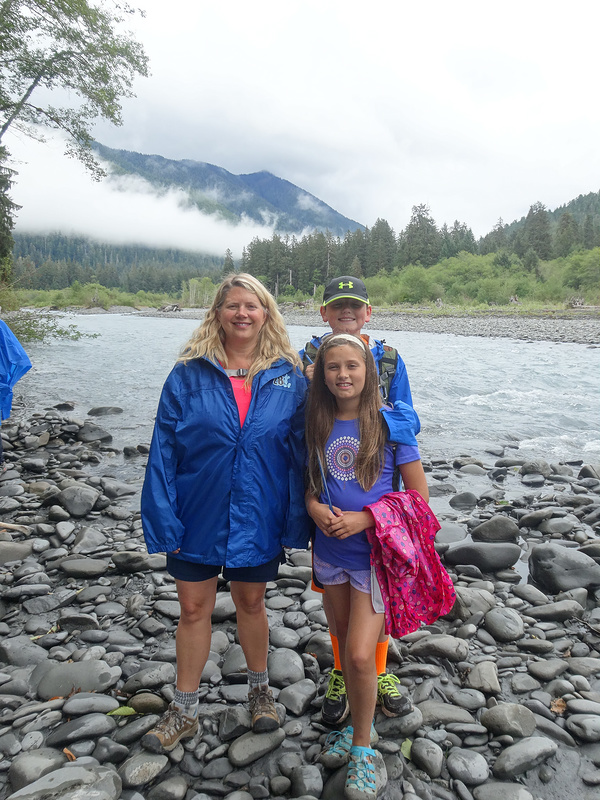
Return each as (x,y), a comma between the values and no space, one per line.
(335,707)
(393,704)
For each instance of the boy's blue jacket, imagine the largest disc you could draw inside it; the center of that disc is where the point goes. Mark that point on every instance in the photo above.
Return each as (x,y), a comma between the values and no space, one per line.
(222,494)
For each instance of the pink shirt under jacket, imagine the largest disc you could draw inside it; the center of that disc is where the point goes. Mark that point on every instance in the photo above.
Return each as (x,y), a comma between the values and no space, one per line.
(415,587)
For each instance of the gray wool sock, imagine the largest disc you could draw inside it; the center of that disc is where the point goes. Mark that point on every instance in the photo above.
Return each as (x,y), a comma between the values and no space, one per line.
(186,702)
(257,679)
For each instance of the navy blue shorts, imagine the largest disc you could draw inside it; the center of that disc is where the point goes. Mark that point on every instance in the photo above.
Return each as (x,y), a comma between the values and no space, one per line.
(191,571)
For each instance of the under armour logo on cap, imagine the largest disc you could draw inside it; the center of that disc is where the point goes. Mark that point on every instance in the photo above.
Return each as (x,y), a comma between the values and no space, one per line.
(345,287)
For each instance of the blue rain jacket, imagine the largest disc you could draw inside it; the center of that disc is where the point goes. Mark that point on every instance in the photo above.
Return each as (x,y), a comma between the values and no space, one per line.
(222,494)
(399,385)
(14,363)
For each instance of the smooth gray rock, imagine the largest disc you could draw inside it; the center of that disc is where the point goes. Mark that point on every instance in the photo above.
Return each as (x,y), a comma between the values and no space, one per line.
(82,676)
(523,756)
(20,651)
(252,746)
(547,670)
(224,608)
(557,569)
(90,432)
(443,646)
(509,719)
(283,637)
(84,567)
(467,766)
(463,501)
(88,540)
(585,727)
(27,767)
(298,696)
(531,594)
(14,551)
(496,790)
(78,500)
(504,624)
(306,780)
(90,726)
(400,727)
(489,557)
(584,666)
(437,713)
(168,608)
(89,703)
(497,529)
(471,699)
(559,611)
(133,561)
(73,782)
(142,768)
(234,722)
(428,756)
(285,667)
(484,676)
(470,601)
(150,678)
(174,788)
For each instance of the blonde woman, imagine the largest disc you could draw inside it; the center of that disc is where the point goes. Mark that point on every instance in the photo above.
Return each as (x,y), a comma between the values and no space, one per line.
(224,487)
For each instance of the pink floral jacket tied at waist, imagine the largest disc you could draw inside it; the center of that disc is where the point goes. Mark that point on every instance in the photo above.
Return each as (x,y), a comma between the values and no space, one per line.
(414,585)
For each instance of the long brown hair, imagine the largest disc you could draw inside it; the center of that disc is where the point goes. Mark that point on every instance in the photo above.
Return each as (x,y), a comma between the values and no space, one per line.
(273,341)
(321,411)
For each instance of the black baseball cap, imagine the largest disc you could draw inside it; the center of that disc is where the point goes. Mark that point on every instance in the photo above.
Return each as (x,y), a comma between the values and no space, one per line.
(345,287)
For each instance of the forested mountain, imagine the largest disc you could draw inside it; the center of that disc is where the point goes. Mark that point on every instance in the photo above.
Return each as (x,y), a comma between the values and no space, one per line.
(54,261)
(260,196)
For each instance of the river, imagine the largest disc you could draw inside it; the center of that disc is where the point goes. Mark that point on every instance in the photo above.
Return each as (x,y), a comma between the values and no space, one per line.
(540,399)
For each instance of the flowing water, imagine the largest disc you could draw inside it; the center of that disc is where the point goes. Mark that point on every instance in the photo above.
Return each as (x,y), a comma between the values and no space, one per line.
(540,398)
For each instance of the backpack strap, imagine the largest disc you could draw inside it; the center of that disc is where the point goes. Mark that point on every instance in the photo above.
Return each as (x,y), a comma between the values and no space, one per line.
(309,355)
(387,369)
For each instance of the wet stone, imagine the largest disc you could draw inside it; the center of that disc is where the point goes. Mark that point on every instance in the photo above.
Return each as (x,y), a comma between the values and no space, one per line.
(467,766)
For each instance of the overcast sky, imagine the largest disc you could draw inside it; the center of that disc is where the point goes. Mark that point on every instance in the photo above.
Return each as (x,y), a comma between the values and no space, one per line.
(477,109)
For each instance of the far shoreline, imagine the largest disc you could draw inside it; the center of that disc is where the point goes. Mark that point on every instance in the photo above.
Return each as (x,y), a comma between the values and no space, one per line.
(573,326)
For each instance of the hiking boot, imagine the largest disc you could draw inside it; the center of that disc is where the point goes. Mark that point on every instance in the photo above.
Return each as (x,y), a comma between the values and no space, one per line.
(262,708)
(393,704)
(335,707)
(361,782)
(336,750)
(170,729)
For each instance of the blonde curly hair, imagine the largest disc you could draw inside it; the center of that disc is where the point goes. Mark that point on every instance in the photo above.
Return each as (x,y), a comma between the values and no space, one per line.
(208,340)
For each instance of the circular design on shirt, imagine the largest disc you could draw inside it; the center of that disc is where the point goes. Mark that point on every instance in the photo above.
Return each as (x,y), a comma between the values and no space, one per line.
(341,457)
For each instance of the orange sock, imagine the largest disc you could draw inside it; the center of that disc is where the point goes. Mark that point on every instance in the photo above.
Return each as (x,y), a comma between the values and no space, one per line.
(381,652)
(337,664)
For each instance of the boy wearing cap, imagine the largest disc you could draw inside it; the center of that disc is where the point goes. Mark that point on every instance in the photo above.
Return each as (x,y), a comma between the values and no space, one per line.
(346,309)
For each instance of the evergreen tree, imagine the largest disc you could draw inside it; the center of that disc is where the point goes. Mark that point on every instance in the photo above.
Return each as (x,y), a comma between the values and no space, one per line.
(420,242)
(589,237)
(567,235)
(7,214)
(537,232)
(228,264)
(382,249)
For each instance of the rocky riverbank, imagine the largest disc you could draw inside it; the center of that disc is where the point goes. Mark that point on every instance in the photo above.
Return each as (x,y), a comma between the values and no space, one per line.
(573,326)
(506,688)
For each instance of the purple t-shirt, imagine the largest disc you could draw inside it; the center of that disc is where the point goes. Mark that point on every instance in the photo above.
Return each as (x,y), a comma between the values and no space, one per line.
(341,451)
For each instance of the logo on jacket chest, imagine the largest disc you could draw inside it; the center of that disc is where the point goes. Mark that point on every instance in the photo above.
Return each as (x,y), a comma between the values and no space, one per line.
(283,381)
